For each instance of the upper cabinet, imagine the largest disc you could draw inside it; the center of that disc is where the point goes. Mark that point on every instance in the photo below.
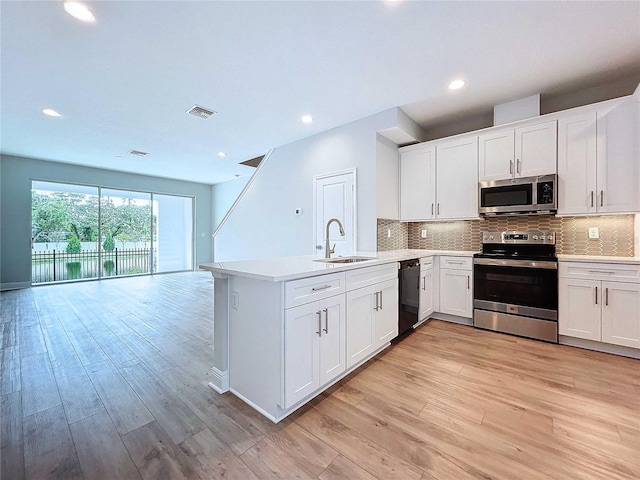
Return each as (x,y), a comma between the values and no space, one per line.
(417,182)
(438,180)
(524,151)
(598,158)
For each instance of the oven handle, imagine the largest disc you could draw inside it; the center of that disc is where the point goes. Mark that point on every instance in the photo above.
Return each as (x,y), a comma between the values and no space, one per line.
(516,263)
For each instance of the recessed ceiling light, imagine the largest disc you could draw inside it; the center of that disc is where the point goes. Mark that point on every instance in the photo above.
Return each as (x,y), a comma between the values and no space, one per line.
(307,119)
(456,84)
(50,112)
(119,157)
(222,154)
(138,153)
(79,11)
(237,175)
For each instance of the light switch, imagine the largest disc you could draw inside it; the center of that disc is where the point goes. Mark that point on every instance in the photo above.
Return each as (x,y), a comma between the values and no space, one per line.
(423,233)
(388,233)
(235,300)
(594,232)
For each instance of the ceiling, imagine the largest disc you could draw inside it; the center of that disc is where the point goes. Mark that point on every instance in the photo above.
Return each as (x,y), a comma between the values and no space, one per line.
(125,82)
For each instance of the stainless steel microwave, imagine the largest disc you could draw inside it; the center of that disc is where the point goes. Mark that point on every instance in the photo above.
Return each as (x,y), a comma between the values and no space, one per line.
(526,195)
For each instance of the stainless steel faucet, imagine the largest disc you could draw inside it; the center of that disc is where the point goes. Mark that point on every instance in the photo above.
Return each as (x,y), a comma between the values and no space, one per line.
(327,250)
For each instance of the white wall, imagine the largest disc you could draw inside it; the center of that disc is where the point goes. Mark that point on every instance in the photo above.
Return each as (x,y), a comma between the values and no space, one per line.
(263,224)
(388,179)
(223,195)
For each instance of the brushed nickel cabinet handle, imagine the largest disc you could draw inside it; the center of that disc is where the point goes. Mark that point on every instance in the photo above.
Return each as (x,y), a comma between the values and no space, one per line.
(602,198)
(468,282)
(511,167)
(432,209)
(326,320)
(518,166)
(606,297)
(438,209)
(380,299)
(591,198)
(319,332)
(376,301)
(596,295)
(317,289)
(424,282)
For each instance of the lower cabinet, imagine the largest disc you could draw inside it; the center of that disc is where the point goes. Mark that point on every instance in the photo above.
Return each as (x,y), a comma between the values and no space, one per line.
(372,314)
(602,311)
(456,294)
(314,346)
(426,288)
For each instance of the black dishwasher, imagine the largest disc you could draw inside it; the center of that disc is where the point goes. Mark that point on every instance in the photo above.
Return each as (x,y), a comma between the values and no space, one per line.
(409,294)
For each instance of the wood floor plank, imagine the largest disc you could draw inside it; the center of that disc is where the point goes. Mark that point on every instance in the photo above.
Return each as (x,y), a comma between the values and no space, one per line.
(10,361)
(39,388)
(31,340)
(156,455)
(49,452)
(12,452)
(177,419)
(85,346)
(58,344)
(270,462)
(79,397)
(100,449)
(125,408)
(153,358)
(342,468)
(211,458)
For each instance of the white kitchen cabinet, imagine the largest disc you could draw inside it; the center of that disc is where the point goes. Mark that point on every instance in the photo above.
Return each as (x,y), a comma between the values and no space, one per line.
(457,178)
(439,180)
(594,306)
(598,158)
(426,288)
(314,347)
(372,319)
(523,151)
(417,182)
(456,281)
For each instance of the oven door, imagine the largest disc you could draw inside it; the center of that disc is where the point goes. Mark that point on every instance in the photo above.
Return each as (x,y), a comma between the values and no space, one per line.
(522,287)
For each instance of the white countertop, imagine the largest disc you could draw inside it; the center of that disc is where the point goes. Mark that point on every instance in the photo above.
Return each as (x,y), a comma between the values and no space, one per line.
(599,259)
(290,268)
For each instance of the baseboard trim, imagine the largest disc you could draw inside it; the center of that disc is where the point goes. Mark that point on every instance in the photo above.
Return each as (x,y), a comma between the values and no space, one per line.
(14,285)
(220,380)
(599,346)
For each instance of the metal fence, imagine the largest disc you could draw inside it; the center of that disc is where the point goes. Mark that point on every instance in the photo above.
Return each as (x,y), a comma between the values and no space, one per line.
(54,266)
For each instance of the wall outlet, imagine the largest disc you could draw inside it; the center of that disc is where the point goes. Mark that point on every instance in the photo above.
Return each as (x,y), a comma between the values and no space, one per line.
(594,233)
(298,211)
(235,300)
(423,233)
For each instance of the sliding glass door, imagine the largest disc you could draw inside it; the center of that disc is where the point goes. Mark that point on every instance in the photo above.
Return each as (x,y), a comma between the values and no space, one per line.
(82,232)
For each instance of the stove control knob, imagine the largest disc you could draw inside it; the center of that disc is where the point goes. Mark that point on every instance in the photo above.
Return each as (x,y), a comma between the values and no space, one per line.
(535,237)
(491,237)
(550,237)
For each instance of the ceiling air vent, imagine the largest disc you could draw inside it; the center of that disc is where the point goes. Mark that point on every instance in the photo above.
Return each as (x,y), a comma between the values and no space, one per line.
(201,112)
(138,153)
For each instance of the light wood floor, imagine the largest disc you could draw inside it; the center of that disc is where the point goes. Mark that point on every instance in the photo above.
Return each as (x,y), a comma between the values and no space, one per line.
(107,380)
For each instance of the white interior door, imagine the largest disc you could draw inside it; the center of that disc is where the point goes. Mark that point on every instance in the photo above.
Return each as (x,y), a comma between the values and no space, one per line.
(335,195)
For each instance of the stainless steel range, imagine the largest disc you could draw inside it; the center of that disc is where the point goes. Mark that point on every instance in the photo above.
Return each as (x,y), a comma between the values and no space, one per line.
(516,284)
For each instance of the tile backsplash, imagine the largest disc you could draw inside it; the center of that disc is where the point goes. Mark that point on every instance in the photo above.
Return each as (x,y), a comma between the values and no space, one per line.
(616,233)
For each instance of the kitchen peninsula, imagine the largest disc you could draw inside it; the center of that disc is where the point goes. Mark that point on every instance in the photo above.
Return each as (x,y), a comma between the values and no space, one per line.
(285,329)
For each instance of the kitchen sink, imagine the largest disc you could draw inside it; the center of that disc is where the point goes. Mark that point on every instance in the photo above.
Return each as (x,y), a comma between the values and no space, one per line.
(344,259)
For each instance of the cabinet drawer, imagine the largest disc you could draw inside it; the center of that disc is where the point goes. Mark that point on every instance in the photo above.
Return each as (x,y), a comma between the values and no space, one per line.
(456,263)
(362,277)
(305,290)
(621,272)
(426,263)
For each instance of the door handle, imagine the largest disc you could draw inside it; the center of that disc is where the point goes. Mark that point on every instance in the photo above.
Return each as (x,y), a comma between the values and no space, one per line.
(319,332)
(326,320)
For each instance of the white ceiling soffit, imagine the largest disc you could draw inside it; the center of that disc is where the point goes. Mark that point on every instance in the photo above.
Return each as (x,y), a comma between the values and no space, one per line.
(126,81)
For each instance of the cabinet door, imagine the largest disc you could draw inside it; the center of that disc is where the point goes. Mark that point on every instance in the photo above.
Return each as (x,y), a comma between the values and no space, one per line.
(417,183)
(426,292)
(577,163)
(621,314)
(332,342)
(361,306)
(579,308)
(301,352)
(455,292)
(618,145)
(495,155)
(536,149)
(386,316)
(457,178)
